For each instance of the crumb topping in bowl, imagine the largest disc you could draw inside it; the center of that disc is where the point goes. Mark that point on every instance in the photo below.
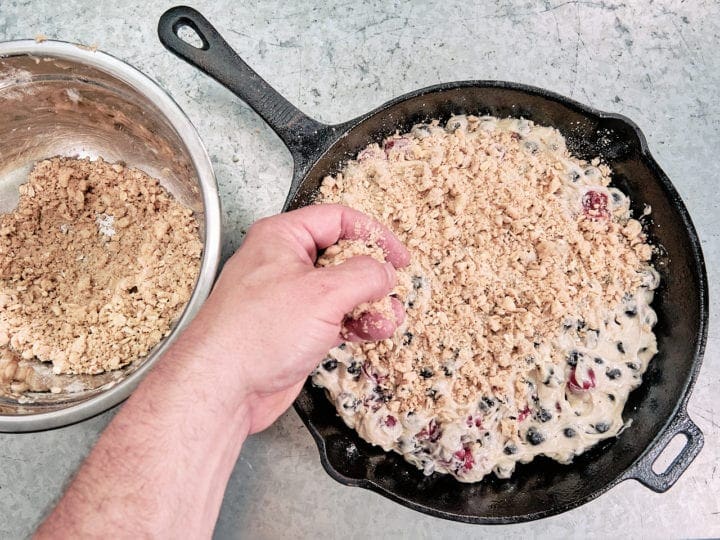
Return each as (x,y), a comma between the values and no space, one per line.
(96,263)
(527,298)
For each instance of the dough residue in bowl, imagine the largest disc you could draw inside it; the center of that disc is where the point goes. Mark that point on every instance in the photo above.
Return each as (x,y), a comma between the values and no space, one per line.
(96,263)
(527,298)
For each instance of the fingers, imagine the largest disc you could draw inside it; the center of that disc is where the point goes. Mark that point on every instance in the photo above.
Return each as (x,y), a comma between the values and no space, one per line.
(357,280)
(374,326)
(322,225)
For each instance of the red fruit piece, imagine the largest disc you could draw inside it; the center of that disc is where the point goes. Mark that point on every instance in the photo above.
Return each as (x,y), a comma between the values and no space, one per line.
(524,413)
(372,375)
(595,205)
(390,421)
(466,457)
(431,432)
(580,386)
(396,144)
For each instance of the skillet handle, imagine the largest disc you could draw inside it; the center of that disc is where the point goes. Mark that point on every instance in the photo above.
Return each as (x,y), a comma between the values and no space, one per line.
(642,470)
(302,135)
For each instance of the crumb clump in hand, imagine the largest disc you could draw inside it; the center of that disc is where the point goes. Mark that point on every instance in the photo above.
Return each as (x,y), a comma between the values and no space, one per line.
(345,249)
(96,263)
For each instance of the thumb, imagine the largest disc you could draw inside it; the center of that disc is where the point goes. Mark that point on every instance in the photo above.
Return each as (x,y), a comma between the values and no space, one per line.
(374,326)
(357,280)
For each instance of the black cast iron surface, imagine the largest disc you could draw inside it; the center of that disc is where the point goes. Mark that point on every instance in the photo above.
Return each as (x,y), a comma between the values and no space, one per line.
(657,409)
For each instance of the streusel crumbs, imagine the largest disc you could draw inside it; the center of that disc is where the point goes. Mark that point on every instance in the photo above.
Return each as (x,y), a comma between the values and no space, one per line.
(96,263)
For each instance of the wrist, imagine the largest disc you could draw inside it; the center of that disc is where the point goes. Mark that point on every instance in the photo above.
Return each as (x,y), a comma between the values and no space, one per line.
(205,379)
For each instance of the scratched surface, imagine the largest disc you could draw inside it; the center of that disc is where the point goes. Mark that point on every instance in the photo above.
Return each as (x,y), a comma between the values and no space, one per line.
(655,62)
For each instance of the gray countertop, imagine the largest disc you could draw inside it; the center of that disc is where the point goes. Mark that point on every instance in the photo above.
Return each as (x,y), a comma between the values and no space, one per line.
(655,62)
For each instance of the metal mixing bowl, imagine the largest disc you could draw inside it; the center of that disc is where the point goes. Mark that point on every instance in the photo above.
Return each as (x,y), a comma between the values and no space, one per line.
(59,98)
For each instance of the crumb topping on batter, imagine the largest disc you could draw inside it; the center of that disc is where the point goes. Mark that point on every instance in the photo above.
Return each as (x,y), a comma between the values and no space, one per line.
(513,242)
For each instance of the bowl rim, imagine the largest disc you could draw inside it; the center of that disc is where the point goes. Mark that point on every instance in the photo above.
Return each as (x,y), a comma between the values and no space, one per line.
(187,132)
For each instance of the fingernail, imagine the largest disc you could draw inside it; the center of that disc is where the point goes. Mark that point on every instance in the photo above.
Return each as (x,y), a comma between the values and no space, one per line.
(390,270)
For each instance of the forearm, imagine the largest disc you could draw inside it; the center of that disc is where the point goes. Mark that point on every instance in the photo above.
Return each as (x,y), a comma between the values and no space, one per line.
(162,465)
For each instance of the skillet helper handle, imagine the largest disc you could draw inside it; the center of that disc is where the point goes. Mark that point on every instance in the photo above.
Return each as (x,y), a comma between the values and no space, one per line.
(643,472)
(218,60)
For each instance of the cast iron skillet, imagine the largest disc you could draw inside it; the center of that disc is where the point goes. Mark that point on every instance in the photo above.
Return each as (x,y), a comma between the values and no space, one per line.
(657,409)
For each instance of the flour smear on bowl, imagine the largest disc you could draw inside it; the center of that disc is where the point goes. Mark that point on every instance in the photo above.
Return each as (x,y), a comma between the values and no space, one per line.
(527,299)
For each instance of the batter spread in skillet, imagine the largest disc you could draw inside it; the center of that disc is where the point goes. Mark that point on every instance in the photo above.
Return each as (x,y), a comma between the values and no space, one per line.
(527,299)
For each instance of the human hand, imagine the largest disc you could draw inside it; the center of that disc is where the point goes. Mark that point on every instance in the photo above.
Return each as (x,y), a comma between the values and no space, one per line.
(272,315)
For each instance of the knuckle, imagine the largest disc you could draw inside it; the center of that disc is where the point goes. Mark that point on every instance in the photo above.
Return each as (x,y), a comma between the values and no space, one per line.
(261,227)
(319,284)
